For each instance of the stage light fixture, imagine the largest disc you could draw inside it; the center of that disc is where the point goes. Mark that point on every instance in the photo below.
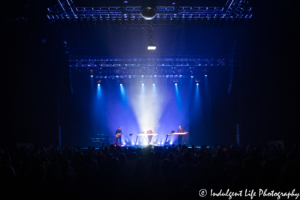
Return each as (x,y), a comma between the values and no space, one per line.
(92,76)
(142,83)
(121,84)
(148,10)
(197,84)
(192,76)
(175,83)
(153,84)
(151,46)
(98,84)
(205,75)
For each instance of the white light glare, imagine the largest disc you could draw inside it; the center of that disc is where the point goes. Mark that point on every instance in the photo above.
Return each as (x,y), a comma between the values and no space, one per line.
(151,47)
(98,84)
(91,76)
(153,84)
(175,83)
(192,76)
(205,75)
(197,83)
(121,84)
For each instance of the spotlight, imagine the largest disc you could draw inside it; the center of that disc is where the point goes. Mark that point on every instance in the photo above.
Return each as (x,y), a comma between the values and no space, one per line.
(121,84)
(192,76)
(197,84)
(148,11)
(180,75)
(92,76)
(105,76)
(153,84)
(142,83)
(129,76)
(175,83)
(98,84)
(205,75)
(151,46)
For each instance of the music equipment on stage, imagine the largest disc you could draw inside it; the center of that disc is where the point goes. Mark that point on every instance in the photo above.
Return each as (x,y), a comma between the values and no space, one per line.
(179,133)
(99,140)
(185,133)
(146,134)
(119,134)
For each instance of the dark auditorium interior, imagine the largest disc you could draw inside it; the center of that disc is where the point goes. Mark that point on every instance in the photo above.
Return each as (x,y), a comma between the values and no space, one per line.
(149,99)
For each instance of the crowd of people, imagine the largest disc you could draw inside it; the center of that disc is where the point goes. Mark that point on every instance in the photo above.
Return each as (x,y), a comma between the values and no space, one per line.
(169,172)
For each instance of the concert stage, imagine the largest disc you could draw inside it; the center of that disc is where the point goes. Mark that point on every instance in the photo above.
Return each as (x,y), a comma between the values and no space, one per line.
(144,146)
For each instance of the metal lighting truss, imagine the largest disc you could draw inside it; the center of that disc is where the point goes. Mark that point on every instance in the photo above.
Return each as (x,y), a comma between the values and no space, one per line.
(161,67)
(232,14)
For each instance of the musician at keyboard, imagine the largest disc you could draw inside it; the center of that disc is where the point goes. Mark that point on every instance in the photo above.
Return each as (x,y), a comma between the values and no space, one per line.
(149,136)
(118,136)
(180,130)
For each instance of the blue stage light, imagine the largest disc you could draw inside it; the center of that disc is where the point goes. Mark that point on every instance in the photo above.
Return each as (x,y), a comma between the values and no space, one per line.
(180,75)
(205,75)
(175,83)
(98,84)
(197,83)
(142,83)
(153,84)
(192,76)
(105,76)
(92,76)
(121,84)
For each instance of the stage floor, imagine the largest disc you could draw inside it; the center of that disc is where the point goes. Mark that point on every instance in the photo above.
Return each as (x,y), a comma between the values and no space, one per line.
(143,146)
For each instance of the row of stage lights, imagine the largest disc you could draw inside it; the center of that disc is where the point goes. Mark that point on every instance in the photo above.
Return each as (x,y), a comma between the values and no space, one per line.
(152,84)
(142,76)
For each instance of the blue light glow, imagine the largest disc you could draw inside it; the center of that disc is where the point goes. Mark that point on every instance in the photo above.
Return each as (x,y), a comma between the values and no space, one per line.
(175,83)
(197,84)
(92,76)
(153,84)
(192,76)
(98,84)
(205,75)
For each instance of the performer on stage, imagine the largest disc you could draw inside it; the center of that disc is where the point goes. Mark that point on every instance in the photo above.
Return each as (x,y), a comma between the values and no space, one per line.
(150,136)
(180,130)
(118,135)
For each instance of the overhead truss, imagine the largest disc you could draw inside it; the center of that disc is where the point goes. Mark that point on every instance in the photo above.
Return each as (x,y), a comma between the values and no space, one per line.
(162,67)
(234,12)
